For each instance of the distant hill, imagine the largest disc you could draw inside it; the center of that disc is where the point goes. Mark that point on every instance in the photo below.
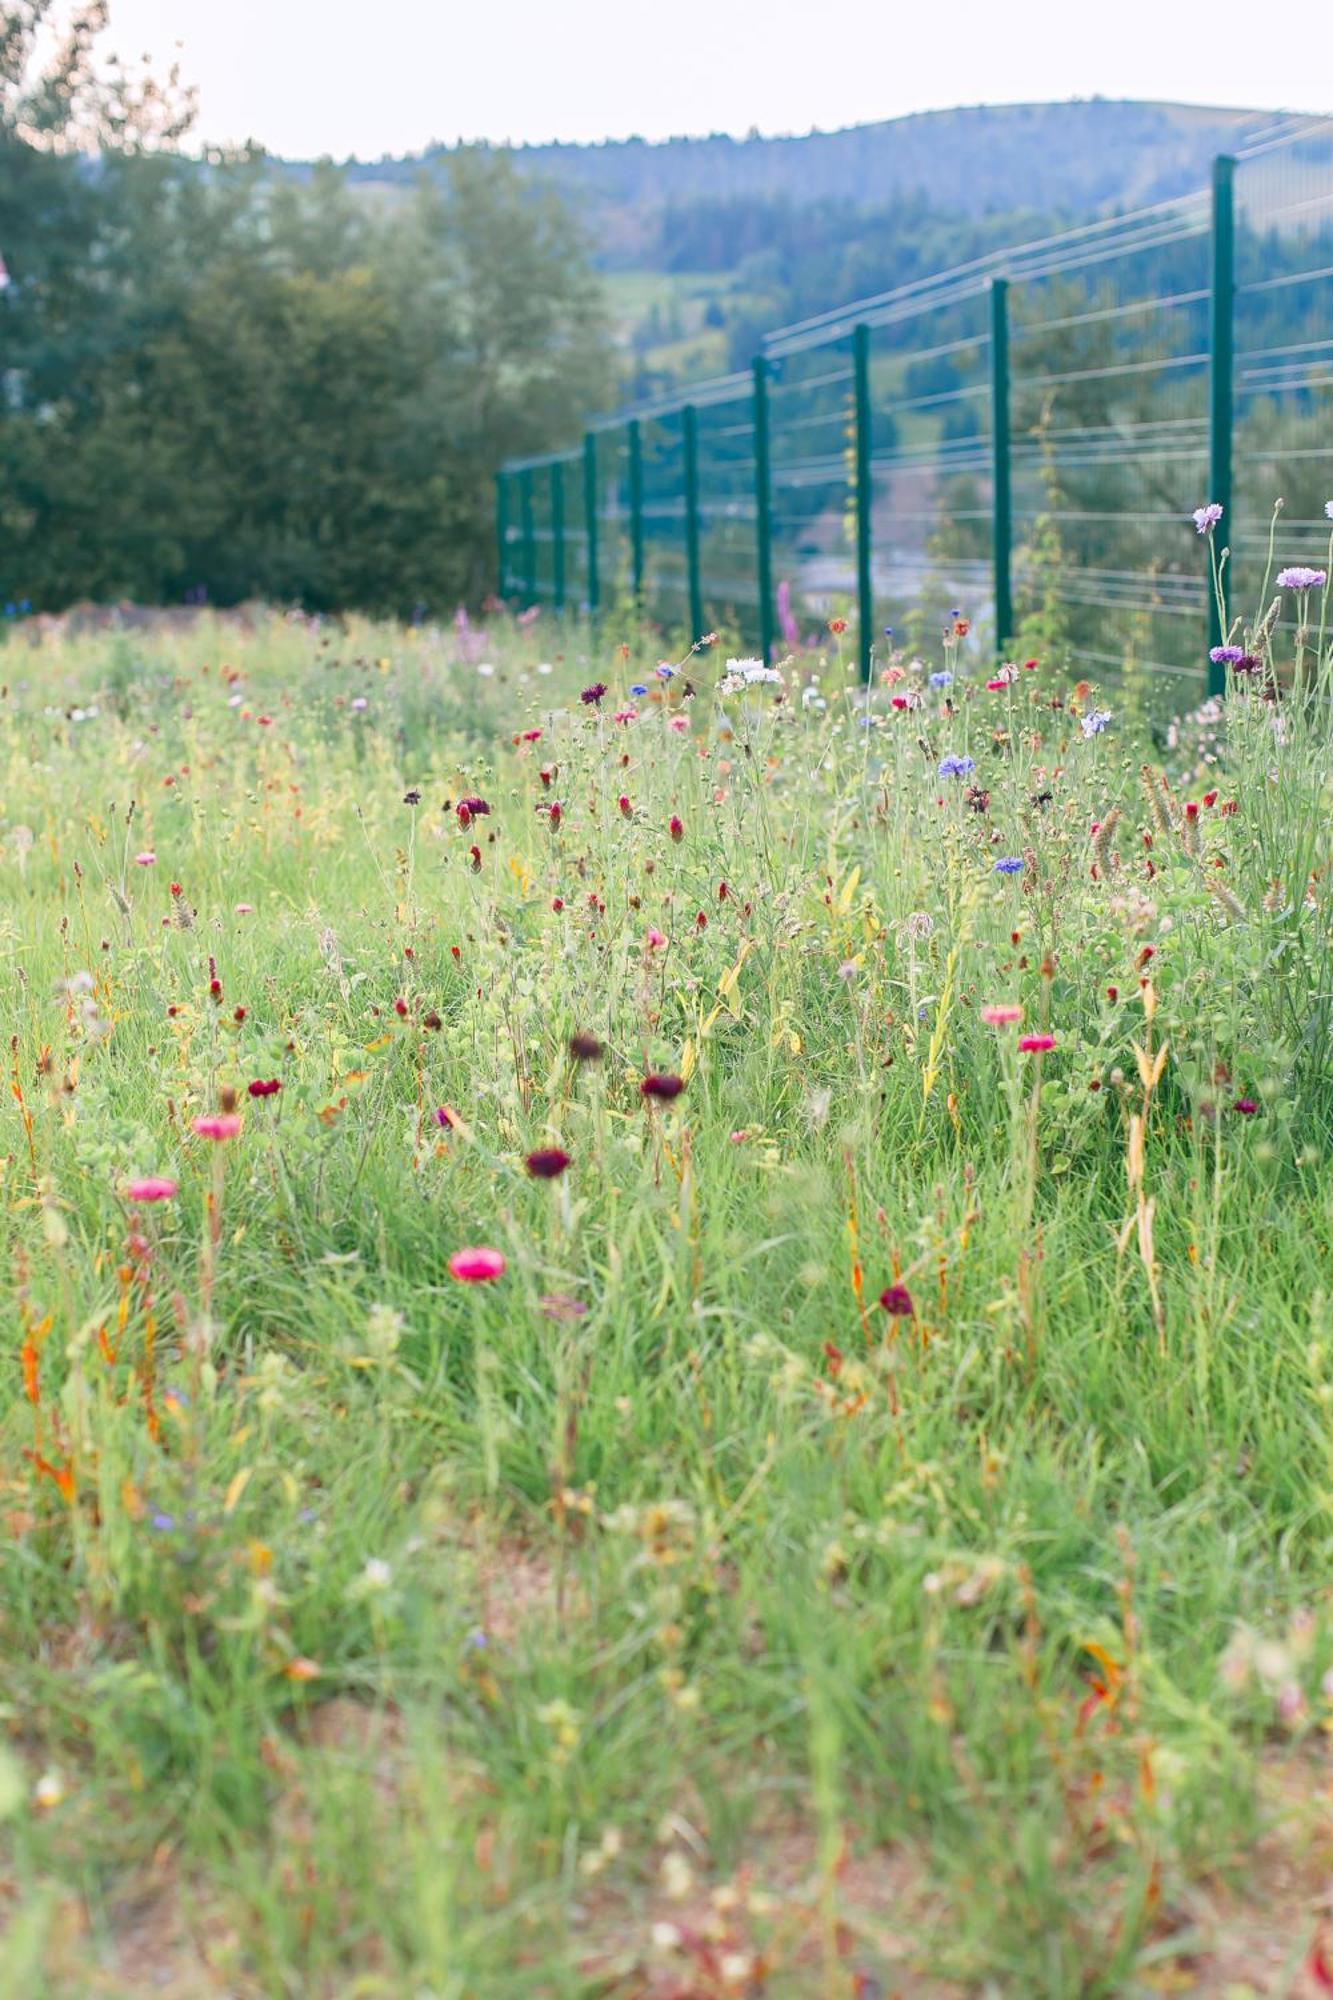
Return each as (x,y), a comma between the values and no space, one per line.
(1077,158)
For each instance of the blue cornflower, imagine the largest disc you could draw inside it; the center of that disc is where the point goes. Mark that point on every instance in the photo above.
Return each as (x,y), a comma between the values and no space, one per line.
(956,767)
(943,679)
(666,673)
(639,687)
(1009,864)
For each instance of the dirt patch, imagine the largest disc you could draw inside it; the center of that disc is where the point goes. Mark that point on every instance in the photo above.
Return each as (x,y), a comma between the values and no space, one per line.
(1268,1936)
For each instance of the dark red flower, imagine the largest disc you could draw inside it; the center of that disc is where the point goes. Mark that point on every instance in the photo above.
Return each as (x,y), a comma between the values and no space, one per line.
(662,1087)
(547,1163)
(1246,1106)
(676,827)
(400,1007)
(584,1046)
(593,695)
(476,807)
(897,1301)
(260,1088)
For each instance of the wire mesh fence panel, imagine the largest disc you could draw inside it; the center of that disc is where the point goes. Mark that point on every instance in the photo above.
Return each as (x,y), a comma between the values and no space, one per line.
(666,578)
(812,511)
(931,466)
(1283,359)
(611,452)
(728,574)
(1109,420)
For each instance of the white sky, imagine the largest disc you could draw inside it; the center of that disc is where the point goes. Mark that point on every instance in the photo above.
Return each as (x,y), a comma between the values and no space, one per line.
(307,77)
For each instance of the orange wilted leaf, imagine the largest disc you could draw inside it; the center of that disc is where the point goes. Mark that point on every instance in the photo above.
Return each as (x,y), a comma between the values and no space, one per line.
(302,1669)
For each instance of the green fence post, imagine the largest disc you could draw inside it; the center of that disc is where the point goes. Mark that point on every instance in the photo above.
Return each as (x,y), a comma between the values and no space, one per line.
(590,518)
(636,507)
(558,532)
(689,431)
(528,533)
(502,533)
(1002,531)
(865,590)
(763,508)
(1221,401)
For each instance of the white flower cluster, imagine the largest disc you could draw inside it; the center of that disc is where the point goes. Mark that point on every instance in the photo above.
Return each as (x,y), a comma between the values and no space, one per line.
(747,674)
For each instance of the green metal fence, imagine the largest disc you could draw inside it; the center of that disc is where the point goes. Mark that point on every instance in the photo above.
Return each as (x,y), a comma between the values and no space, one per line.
(1018,442)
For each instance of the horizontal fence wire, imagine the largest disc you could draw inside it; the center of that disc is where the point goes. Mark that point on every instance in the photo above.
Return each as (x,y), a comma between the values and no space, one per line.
(1014,445)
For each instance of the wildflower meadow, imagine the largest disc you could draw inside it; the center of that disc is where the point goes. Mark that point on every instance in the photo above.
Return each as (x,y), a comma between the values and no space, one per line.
(668,1318)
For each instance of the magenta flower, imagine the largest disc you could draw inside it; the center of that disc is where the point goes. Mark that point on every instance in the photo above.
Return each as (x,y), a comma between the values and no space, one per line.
(218,1125)
(146,858)
(477,1264)
(1246,1106)
(897,1301)
(1035,1045)
(1298,577)
(152,1187)
(1207,517)
(1002,1014)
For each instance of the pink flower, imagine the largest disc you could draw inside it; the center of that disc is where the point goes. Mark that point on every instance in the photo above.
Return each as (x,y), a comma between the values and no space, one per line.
(680,723)
(218,1125)
(1035,1045)
(655,938)
(627,715)
(477,1264)
(244,909)
(1000,1016)
(146,859)
(153,1187)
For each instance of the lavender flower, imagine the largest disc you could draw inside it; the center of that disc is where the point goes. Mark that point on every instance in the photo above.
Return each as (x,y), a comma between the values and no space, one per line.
(1298,577)
(956,767)
(1226,656)
(1207,517)
(1093,723)
(1009,864)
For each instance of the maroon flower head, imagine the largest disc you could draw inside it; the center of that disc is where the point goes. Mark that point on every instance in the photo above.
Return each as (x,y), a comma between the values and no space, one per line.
(1246,1106)
(897,1301)
(547,1163)
(662,1087)
(477,807)
(584,1046)
(593,695)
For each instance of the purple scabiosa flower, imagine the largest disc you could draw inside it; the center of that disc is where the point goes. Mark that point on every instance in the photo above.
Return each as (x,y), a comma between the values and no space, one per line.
(1207,517)
(1226,656)
(954,766)
(1009,864)
(1299,577)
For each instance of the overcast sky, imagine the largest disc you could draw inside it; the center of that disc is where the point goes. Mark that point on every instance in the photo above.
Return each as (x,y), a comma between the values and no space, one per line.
(307,77)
